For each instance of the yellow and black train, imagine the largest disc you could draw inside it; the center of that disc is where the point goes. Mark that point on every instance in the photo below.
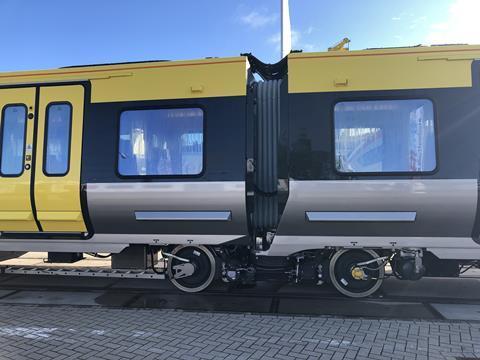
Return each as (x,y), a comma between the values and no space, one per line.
(322,167)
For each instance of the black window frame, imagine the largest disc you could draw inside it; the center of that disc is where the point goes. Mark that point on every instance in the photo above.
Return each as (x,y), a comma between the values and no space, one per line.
(386,173)
(168,176)
(45,138)
(2,129)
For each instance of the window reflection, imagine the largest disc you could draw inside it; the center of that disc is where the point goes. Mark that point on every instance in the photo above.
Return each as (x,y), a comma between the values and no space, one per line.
(58,139)
(384,136)
(161,142)
(13,140)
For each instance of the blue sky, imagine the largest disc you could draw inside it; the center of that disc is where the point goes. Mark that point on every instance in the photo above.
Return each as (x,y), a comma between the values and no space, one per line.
(52,33)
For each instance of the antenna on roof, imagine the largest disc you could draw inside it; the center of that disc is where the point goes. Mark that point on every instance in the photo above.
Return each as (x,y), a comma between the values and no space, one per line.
(286,32)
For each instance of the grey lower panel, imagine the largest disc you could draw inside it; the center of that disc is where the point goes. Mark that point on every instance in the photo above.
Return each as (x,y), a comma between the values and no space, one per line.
(112,243)
(443,208)
(361,215)
(183,215)
(168,208)
(443,247)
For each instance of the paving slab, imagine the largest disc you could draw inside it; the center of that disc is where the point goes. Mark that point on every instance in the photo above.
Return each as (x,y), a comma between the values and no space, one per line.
(52,298)
(458,311)
(61,332)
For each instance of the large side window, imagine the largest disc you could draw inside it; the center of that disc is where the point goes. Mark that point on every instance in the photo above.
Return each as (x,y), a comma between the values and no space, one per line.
(57,140)
(384,136)
(161,142)
(14,124)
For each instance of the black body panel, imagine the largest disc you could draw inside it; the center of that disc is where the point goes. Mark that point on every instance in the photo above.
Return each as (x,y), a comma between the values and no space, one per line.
(457,123)
(224,150)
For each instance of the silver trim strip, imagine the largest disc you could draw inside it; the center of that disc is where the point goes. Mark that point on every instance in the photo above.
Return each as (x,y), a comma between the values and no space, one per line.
(183,215)
(313,216)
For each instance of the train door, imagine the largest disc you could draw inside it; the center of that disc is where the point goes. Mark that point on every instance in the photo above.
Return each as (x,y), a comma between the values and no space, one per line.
(40,158)
(17,108)
(58,159)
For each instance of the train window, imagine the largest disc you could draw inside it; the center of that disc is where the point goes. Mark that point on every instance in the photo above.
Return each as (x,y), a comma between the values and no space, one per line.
(161,142)
(14,125)
(384,136)
(57,139)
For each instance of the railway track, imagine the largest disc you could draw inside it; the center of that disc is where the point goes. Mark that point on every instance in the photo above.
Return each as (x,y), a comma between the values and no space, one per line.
(270,298)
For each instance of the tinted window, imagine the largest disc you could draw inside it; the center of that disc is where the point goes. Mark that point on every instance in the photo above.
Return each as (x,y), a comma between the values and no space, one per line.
(161,142)
(384,136)
(13,139)
(57,143)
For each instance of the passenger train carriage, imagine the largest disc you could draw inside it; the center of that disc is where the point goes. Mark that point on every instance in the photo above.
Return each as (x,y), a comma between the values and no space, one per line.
(324,167)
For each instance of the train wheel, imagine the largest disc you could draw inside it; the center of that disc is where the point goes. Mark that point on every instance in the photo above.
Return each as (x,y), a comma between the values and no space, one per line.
(196,274)
(352,280)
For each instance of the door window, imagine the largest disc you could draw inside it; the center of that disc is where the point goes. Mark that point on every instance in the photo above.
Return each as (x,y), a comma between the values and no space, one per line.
(57,141)
(14,124)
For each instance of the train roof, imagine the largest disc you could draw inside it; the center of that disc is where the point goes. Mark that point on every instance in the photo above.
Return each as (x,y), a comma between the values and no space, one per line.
(383,69)
(370,69)
(211,77)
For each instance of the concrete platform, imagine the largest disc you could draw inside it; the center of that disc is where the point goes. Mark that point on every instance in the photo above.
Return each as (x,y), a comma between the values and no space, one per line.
(56,281)
(462,288)
(51,298)
(458,311)
(356,308)
(204,303)
(4,293)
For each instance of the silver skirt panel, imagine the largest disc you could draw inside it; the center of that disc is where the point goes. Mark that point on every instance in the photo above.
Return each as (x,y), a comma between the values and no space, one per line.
(443,247)
(202,208)
(386,208)
(112,243)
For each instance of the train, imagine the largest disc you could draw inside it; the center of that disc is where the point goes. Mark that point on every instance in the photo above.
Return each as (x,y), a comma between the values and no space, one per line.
(326,167)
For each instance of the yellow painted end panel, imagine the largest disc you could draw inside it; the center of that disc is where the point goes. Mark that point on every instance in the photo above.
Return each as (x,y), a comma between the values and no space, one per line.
(393,69)
(57,198)
(150,81)
(15,216)
(60,216)
(15,205)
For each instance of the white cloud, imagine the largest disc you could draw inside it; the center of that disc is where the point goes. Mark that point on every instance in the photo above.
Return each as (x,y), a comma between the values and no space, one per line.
(311,47)
(461,25)
(255,20)
(310,30)
(296,40)
(396,18)
(300,40)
